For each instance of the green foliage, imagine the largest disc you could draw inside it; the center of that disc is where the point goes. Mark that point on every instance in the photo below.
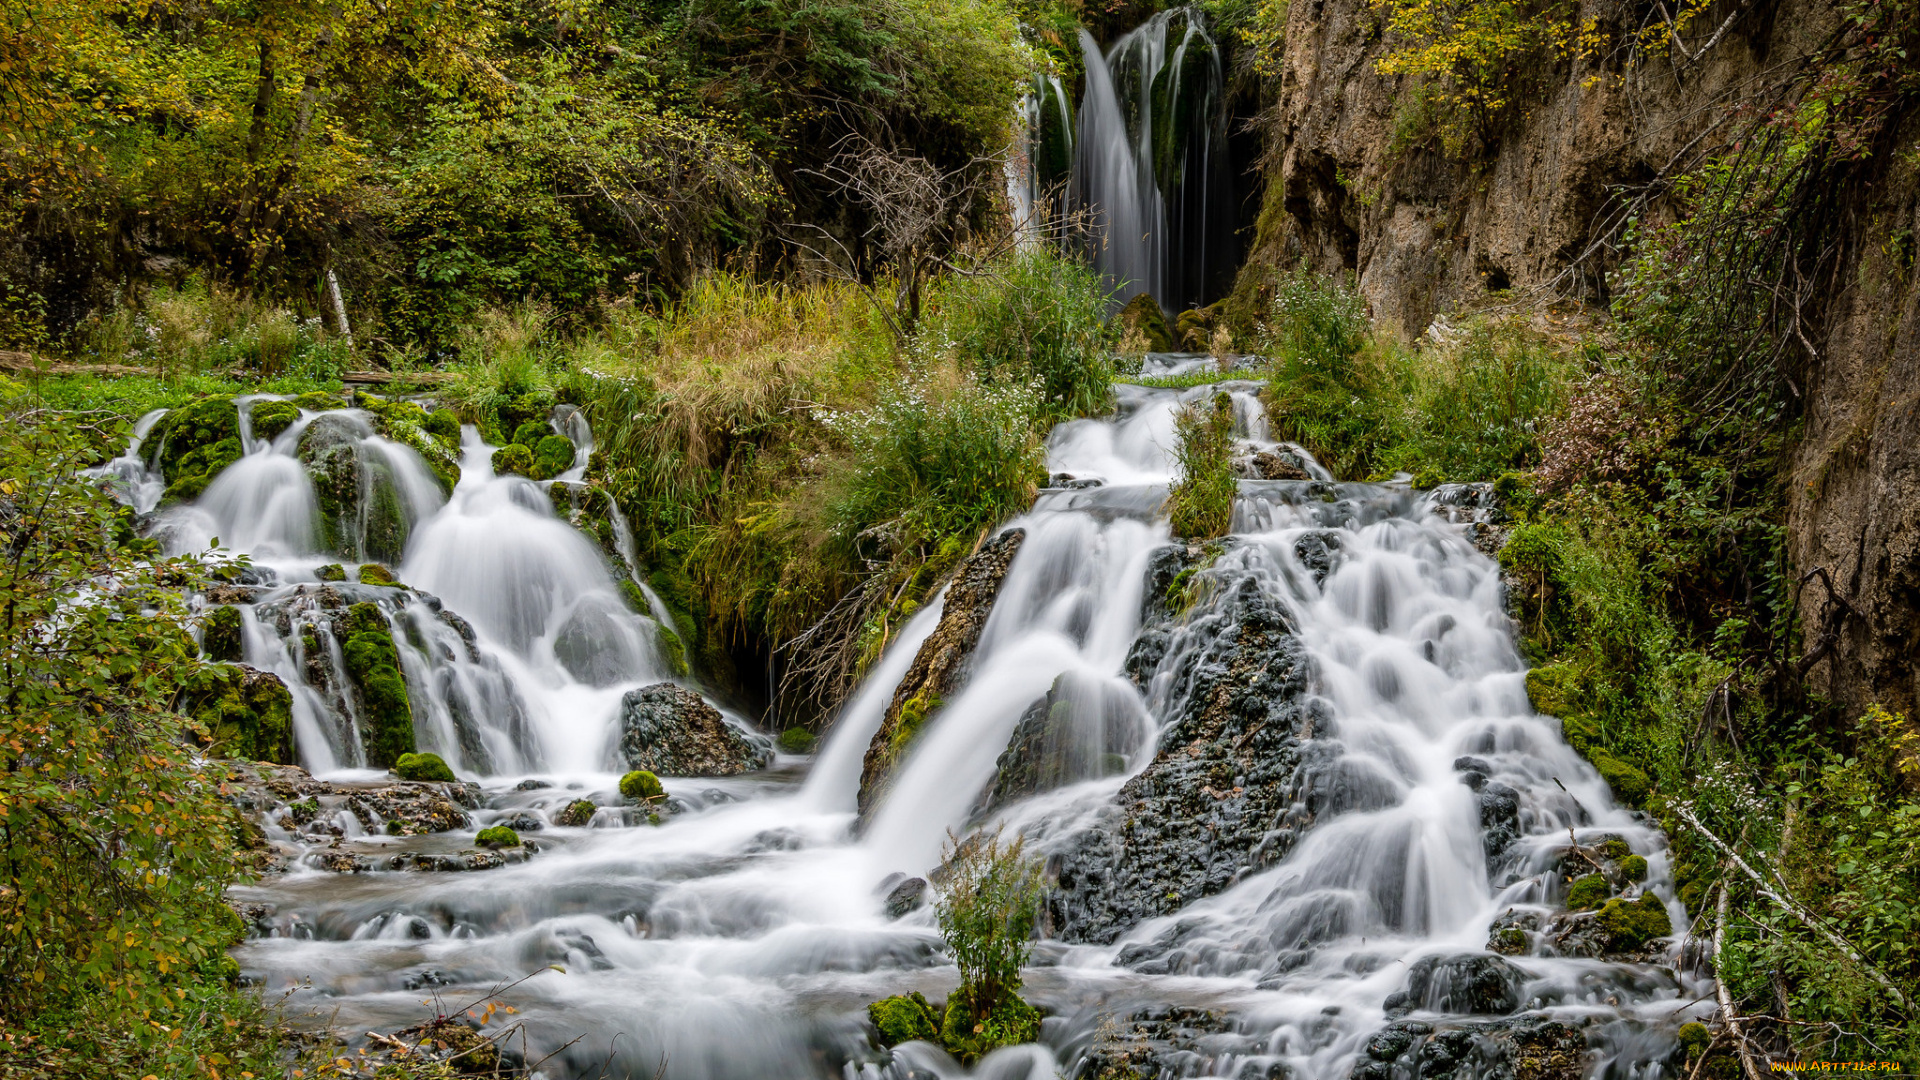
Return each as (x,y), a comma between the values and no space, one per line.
(1477,408)
(497,836)
(1321,391)
(1200,503)
(641,786)
(1036,317)
(969,1035)
(904,1018)
(1588,893)
(118,846)
(797,740)
(914,713)
(373,665)
(428,767)
(989,897)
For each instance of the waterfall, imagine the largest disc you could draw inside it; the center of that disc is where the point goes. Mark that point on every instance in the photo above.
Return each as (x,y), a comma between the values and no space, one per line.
(1286,785)
(1150,159)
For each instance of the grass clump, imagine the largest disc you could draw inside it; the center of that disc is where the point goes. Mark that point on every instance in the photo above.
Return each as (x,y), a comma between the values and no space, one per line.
(1200,503)
(1037,317)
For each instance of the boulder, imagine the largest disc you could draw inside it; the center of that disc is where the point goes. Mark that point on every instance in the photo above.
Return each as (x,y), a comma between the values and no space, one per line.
(1142,317)
(1279,465)
(1470,984)
(1527,1048)
(247,713)
(907,897)
(193,443)
(669,730)
(940,667)
(1082,729)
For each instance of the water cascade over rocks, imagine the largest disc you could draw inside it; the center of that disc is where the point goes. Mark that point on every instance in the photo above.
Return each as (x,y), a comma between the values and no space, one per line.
(1298,817)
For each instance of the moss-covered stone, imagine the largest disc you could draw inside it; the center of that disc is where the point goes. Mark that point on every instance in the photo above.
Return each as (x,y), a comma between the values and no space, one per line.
(797,740)
(1629,784)
(530,432)
(513,460)
(969,1038)
(1630,924)
(427,767)
(221,633)
(904,1018)
(1588,893)
(552,456)
(320,401)
(1142,316)
(270,418)
(373,665)
(578,814)
(1634,868)
(246,713)
(331,572)
(1694,1038)
(497,836)
(672,649)
(1508,941)
(443,425)
(377,574)
(642,786)
(1614,848)
(193,443)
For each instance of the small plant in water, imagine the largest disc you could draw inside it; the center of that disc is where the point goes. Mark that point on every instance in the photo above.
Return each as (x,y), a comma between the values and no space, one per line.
(989,895)
(1200,504)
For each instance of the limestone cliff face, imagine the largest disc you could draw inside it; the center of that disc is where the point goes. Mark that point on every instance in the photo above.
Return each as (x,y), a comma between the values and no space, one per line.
(1539,211)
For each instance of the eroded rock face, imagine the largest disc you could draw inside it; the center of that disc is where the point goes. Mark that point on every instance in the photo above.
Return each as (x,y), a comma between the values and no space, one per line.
(1081,729)
(669,730)
(1214,803)
(1527,1048)
(1470,984)
(940,666)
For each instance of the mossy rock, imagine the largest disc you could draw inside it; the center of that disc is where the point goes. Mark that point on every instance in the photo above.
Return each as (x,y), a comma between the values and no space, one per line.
(513,460)
(642,786)
(497,836)
(904,1018)
(193,443)
(270,418)
(1694,1038)
(672,649)
(221,634)
(443,425)
(377,574)
(530,433)
(373,665)
(913,716)
(1614,848)
(578,814)
(969,1039)
(320,401)
(331,572)
(552,456)
(247,713)
(797,740)
(423,767)
(1588,893)
(1630,924)
(1634,868)
(1509,941)
(1143,316)
(1629,784)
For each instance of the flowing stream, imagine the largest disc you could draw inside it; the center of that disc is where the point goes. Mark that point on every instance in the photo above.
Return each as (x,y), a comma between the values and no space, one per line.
(742,937)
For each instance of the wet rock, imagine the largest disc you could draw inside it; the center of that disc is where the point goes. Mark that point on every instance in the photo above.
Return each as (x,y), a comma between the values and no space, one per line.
(192,444)
(1279,465)
(460,862)
(525,821)
(1173,1041)
(1471,984)
(1214,803)
(907,897)
(1512,932)
(669,730)
(531,785)
(246,712)
(1080,730)
(1499,820)
(1317,551)
(1527,1048)
(578,814)
(940,667)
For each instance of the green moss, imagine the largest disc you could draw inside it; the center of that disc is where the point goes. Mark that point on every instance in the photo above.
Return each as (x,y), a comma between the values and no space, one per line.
(1630,924)
(372,662)
(1634,868)
(1694,1038)
(427,767)
(797,740)
(331,572)
(270,418)
(1142,316)
(513,459)
(968,1038)
(193,443)
(1629,784)
(1614,848)
(913,716)
(672,649)
(642,786)
(904,1018)
(497,836)
(1588,893)
(377,574)
(552,456)
(577,814)
(530,433)
(443,425)
(246,713)
(319,401)
(220,634)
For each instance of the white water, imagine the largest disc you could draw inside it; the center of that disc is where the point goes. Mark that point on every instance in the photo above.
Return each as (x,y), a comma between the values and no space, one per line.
(743,938)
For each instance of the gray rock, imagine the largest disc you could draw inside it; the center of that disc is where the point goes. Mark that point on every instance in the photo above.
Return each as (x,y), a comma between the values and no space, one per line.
(1470,984)
(907,897)
(669,730)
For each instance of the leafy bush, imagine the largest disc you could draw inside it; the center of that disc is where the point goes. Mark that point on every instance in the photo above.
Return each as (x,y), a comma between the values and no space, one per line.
(1040,317)
(989,897)
(1478,407)
(1200,504)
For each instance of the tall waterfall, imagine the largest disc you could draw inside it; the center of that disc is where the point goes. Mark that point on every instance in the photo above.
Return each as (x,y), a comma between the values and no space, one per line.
(1150,158)
(1291,782)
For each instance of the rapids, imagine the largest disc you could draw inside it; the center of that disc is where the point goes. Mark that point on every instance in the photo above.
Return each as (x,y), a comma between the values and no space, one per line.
(742,938)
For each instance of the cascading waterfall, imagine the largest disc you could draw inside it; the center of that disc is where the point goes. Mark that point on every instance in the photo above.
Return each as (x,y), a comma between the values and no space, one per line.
(1353,632)
(1150,159)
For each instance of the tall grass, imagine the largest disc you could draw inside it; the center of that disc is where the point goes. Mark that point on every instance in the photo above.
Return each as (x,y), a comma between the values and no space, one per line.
(1038,316)
(1200,504)
(203,329)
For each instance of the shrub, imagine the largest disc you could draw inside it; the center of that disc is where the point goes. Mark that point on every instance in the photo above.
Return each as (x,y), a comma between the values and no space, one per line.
(423,767)
(1479,407)
(642,786)
(497,836)
(989,895)
(1038,317)
(1322,390)
(1200,503)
